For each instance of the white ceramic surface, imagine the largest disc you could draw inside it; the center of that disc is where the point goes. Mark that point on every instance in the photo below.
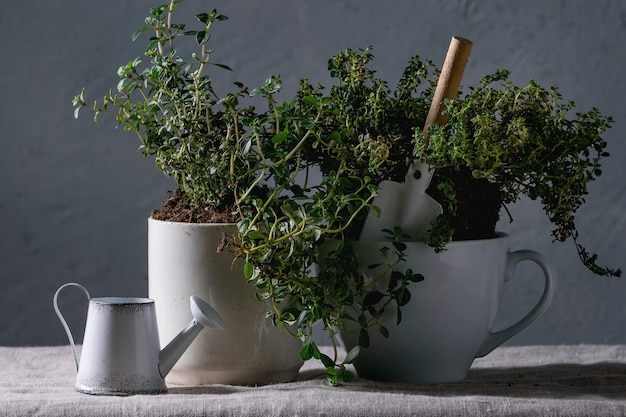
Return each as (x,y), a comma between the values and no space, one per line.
(448,321)
(182,260)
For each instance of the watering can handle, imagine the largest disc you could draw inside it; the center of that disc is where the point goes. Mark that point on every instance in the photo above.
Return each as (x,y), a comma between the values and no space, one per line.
(63,322)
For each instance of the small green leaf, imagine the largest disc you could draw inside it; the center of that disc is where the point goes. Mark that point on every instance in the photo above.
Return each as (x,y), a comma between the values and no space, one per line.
(397,275)
(478,174)
(363,321)
(296,189)
(248,270)
(377,211)
(316,352)
(226,67)
(352,355)
(203,17)
(403,296)
(310,100)
(307,351)
(372,298)
(243,225)
(327,361)
(317,311)
(384,331)
(202,37)
(331,377)
(400,246)
(346,375)
(289,315)
(261,296)
(256,235)
(138,32)
(393,282)
(280,137)
(417,278)
(364,338)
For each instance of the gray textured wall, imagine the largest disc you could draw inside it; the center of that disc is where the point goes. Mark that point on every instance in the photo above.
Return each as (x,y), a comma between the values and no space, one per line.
(75,196)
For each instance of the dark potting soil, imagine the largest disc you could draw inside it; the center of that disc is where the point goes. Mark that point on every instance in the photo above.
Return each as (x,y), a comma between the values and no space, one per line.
(177,209)
(477,207)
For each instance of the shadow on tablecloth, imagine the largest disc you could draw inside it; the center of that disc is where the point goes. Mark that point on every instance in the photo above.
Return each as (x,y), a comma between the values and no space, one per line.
(564,381)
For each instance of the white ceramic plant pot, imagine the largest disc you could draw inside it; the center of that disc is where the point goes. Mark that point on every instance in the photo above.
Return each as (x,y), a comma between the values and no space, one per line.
(448,321)
(183,261)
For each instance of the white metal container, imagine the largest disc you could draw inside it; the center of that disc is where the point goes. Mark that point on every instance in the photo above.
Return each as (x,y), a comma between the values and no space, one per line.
(121,353)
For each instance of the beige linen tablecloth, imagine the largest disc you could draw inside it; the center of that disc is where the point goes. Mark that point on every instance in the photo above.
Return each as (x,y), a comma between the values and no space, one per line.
(526,381)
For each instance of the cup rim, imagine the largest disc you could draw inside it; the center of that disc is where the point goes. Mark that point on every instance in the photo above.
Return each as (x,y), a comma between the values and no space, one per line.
(498,235)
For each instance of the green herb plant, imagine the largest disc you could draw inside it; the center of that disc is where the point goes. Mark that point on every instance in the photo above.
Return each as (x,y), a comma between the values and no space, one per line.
(196,136)
(503,142)
(257,168)
(300,176)
(352,137)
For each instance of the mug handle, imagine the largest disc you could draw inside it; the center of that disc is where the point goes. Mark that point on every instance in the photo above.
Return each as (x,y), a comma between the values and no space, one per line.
(63,322)
(513,258)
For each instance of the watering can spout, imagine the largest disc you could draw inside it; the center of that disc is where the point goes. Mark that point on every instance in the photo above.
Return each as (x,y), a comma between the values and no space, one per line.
(203,316)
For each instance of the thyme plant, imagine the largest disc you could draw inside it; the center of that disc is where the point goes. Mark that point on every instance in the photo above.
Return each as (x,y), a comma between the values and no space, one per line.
(195,135)
(353,137)
(503,142)
(255,166)
(300,176)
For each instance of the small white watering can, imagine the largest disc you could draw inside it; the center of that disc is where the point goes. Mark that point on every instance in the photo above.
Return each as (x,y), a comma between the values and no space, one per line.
(121,354)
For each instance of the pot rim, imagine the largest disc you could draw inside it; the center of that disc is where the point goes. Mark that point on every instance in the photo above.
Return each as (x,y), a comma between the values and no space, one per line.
(189,224)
